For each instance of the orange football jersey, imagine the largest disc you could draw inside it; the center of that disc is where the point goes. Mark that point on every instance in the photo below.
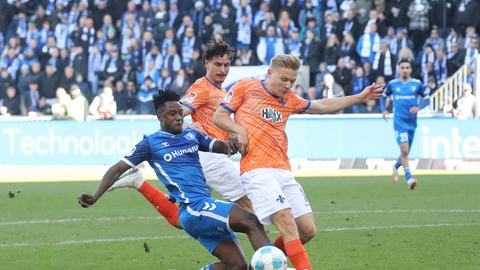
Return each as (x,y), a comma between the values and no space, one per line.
(203,98)
(265,117)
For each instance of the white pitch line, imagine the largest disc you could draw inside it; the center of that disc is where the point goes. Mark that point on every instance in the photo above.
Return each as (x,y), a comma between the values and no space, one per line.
(104,219)
(92,241)
(404,226)
(397,211)
(142,238)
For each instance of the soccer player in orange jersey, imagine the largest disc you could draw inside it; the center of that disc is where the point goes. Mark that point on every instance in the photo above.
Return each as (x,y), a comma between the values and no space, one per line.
(261,110)
(201,101)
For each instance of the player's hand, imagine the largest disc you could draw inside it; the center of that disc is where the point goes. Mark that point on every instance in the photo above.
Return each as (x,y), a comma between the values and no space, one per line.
(196,126)
(373,91)
(414,109)
(385,115)
(232,145)
(86,200)
(242,143)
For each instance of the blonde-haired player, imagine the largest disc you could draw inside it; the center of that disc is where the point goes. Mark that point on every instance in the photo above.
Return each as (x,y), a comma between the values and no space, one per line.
(261,110)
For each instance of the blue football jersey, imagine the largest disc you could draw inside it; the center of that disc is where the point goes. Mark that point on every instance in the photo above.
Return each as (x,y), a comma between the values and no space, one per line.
(405,95)
(175,161)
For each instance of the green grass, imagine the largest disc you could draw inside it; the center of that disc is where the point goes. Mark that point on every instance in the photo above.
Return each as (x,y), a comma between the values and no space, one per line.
(362,222)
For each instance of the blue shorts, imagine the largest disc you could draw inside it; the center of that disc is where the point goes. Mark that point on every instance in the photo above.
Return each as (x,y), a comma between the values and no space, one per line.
(207,221)
(405,136)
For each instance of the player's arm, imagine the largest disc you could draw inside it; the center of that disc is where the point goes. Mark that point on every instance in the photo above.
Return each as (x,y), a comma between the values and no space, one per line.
(222,119)
(330,105)
(140,153)
(112,174)
(424,94)
(228,147)
(385,101)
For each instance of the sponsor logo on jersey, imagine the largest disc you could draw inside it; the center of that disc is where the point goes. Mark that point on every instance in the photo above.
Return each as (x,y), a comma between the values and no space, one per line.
(189,97)
(271,114)
(229,96)
(177,153)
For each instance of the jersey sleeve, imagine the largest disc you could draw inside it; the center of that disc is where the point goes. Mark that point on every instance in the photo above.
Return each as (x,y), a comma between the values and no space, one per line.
(196,97)
(140,153)
(423,91)
(234,98)
(299,104)
(388,90)
(205,142)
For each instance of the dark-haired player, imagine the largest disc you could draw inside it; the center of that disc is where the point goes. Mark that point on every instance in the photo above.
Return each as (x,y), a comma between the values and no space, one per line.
(173,154)
(408,96)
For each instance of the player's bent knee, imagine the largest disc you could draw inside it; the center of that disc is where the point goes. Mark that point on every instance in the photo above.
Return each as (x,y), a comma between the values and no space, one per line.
(307,233)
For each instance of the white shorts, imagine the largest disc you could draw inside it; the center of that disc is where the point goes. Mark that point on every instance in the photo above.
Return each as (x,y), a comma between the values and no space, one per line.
(222,175)
(272,190)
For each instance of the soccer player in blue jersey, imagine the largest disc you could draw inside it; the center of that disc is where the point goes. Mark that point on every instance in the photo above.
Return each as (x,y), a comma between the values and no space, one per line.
(408,96)
(173,154)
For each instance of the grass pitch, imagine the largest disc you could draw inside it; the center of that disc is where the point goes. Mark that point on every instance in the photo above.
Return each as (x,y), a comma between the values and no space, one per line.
(362,222)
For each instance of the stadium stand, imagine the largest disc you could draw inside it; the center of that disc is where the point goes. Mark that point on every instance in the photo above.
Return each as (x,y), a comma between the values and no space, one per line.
(133,47)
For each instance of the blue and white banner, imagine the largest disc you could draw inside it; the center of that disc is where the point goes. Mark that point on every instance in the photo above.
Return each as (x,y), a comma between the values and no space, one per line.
(105,142)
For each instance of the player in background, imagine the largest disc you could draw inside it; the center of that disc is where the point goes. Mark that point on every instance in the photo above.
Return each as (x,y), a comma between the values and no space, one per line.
(408,96)
(173,153)
(261,110)
(201,101)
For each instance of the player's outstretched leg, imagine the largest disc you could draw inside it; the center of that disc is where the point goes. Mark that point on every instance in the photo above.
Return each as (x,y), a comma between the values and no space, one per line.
(242,221)
(294,248)
(134,179)
(230,255)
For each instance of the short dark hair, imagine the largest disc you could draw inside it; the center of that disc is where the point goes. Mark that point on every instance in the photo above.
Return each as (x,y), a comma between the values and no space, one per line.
(162,96)
(217,48)
(405,60)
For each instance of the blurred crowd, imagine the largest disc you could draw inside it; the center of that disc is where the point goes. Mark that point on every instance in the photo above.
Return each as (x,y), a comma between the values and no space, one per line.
(71,59)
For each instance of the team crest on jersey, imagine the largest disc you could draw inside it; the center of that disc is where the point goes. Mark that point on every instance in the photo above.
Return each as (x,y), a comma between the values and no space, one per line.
(271,114)
(228,97)
(190,97)
(414,88)
(397,89)
(189,136)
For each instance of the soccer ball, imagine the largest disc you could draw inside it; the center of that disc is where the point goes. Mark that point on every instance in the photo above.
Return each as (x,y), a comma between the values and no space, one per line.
(269,258)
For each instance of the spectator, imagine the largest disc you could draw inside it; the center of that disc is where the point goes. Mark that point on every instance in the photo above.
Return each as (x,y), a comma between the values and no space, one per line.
(396,12)
(319,83)
(307,13)
(29,100)
(5,82)
(360,81)
(180,83)
(466,14)
(440,67)
(269,46)
(60,107)
(50,80)
(384,62)
(188,44)
(453,38)
(267,21)
(435,40)
(312,93)
(23,79)
(227,22)
(294,45)
(103,106)
(113,65)
(455,59)
(418,14)
(311,53)
(351,25)
(468,105)
(331,89)
(332,52)
(300,92)
(84,87)
(144,104)
(343,76)
(244,33)
(172,60)
(368,44)
(165,79)
(132,98)
(68,79)
(11,103)
(472,51)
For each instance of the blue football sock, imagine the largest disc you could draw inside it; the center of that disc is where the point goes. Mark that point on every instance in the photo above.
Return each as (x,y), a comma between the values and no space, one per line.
(408,174)
(398,164)
(207,267)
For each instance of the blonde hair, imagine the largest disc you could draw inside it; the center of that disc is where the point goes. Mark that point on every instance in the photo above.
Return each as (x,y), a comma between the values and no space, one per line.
(285,61)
